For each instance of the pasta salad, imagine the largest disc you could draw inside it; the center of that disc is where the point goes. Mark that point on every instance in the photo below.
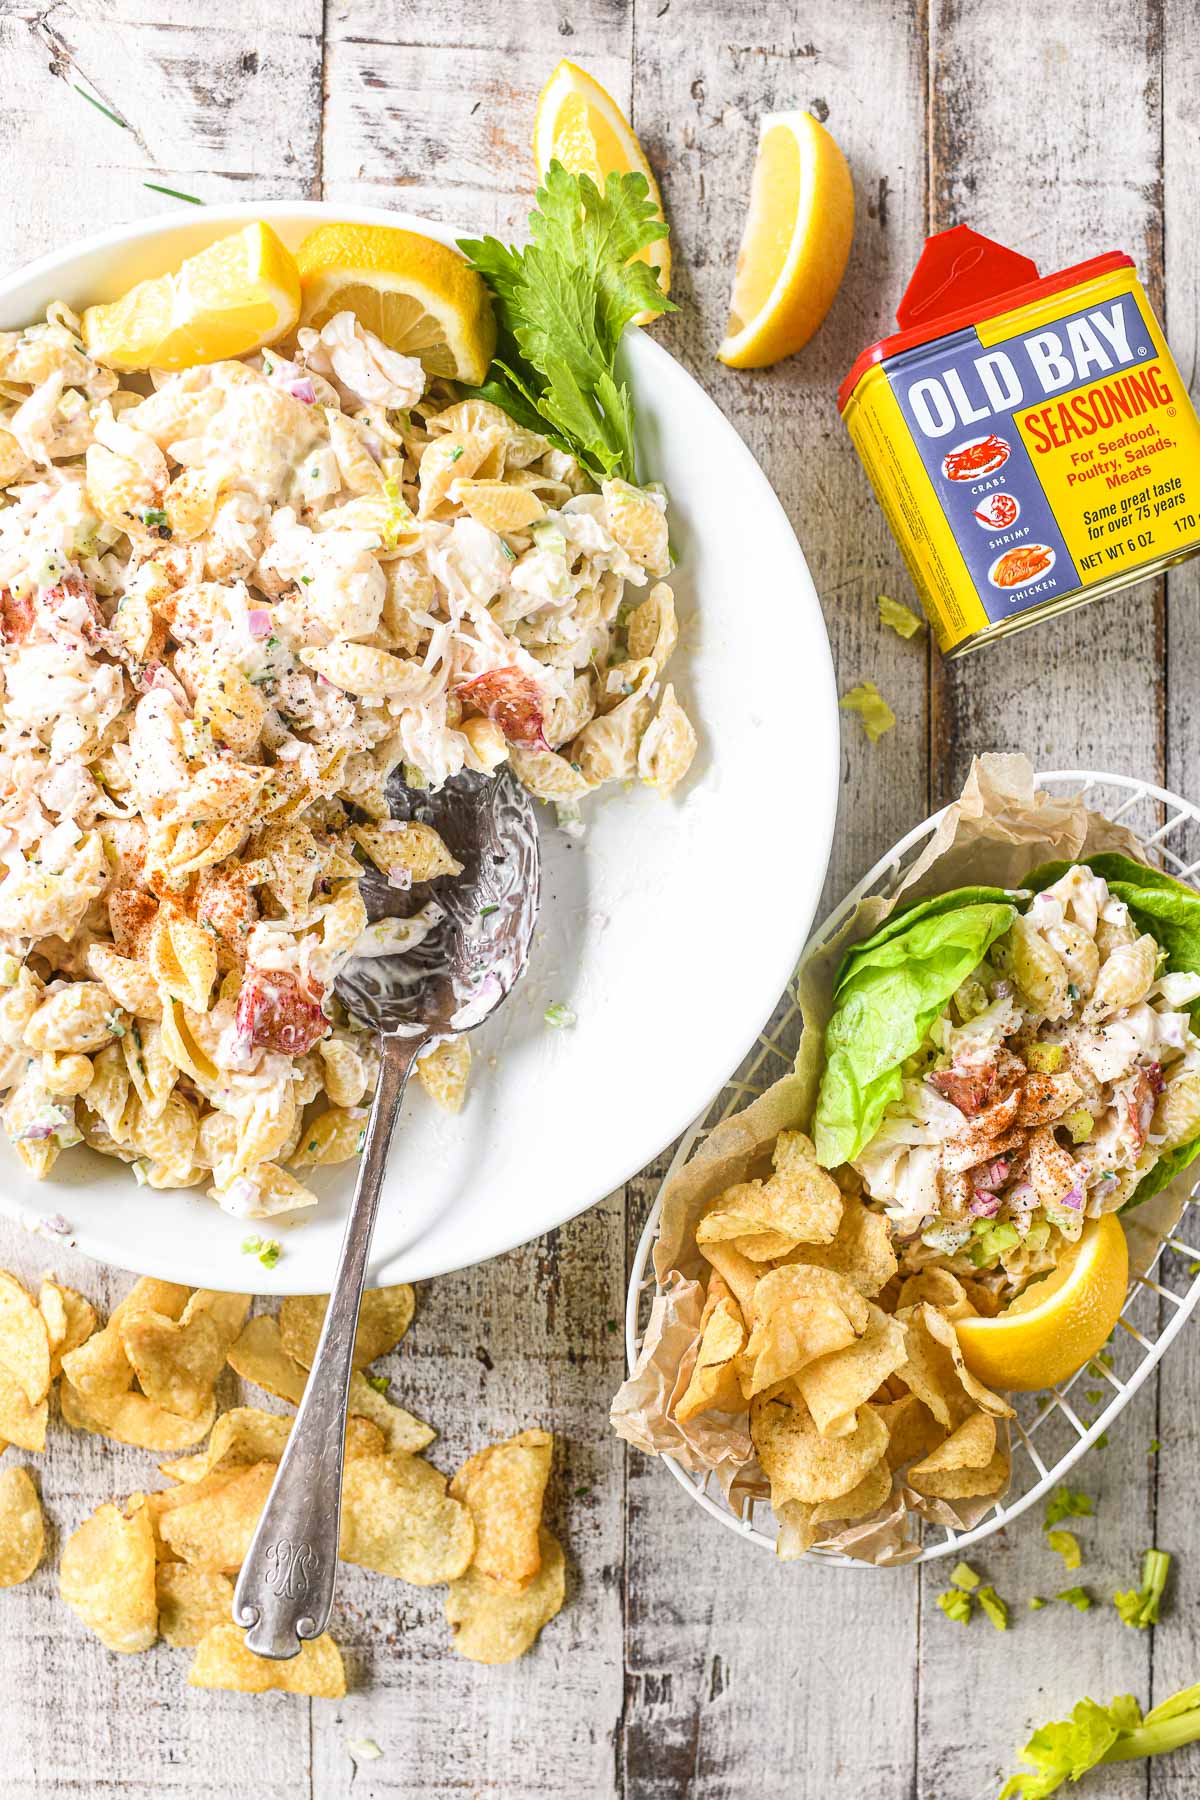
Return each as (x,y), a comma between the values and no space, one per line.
(233,600)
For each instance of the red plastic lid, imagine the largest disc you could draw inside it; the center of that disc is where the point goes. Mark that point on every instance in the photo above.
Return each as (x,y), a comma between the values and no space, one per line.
(963,277)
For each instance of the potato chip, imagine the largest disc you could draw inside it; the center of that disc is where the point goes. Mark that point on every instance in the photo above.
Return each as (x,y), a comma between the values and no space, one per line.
(714,1385)
(798,1203)
(100,1365)
(249,1435)
(22,1528)
(912,1430)
(259,1356)
(131,1419)
(20,1423)
(835,1386)
(493,1625)
(223,1661)
(106,1575)
(383,1319)
(936,1372)
(24,1340)
(862,1250)
(966,1465)
(190,1602)
(942,1331)
(398,1519)
(740,1275)
(165,1500)
(941,1289)
(70,1320)
(401,1430)
(799,1523)
(799,1314)
(214,1531)
(240,1437)
(504,1486)
(177,1361)
(802,1465)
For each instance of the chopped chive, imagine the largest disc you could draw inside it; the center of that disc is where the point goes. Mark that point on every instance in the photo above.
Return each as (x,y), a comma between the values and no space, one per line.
(378,1382)
(486,911)
(173,193)
(100,107)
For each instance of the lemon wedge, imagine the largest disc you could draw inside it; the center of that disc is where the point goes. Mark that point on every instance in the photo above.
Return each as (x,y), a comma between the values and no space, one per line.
(419,296)
(796,243)
(1058,1323)
(232,298)
(580,125)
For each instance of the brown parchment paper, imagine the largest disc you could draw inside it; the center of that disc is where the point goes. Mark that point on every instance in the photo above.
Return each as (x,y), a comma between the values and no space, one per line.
(999,829)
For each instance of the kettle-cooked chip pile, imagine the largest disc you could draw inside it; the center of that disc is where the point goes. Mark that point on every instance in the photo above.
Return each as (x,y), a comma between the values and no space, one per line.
(853,1382)
(162,1562)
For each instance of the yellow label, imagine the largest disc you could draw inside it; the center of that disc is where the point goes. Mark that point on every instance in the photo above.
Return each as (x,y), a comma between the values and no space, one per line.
(1119,460)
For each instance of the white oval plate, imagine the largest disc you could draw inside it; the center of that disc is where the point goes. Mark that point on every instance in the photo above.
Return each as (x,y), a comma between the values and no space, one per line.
(671,931)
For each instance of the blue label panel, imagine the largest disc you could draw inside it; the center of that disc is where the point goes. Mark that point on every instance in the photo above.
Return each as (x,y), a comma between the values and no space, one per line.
(958,397)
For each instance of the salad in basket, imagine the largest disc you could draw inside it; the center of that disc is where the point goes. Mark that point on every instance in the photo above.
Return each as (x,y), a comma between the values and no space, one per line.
(1001,1067)
(928,1214)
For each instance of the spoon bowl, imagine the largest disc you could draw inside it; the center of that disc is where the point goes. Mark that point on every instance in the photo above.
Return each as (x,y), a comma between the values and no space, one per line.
(435,960)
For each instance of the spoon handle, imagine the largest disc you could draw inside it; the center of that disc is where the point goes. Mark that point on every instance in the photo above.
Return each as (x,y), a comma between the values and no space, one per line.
(285,1590)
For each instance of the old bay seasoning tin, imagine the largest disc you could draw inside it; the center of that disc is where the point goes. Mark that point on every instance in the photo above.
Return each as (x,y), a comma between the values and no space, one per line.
(1028,437)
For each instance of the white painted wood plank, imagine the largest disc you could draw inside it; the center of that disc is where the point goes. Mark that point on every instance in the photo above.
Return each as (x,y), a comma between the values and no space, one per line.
(1068,177)
(1176,1649)
(221,103)
(431,109)
(1059,181)
(739,1669)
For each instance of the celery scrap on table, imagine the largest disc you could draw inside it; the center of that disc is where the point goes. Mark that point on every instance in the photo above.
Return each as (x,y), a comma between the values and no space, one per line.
(1065,1749)
(871,707)
(1067,1545)
(897,617)
(1138,1608)
(561,306)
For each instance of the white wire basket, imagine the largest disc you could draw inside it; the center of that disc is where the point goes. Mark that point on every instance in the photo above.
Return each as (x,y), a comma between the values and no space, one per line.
(1052,1430)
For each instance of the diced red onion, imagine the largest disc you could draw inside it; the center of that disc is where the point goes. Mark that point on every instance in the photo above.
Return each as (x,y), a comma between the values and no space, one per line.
(258,619)
(36,1134)
(997,1173)
(301,389)
(1106,1184)
(1155,1074)
(1073,1198)
(983,1205)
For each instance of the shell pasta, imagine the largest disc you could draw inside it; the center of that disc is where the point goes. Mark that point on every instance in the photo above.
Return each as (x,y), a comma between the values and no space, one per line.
(233,600)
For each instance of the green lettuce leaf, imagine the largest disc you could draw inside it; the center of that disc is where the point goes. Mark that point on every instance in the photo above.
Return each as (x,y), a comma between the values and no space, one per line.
(889,992)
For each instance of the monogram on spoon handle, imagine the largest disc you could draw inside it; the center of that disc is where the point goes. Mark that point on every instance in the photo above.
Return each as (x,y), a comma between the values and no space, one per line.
(285,1590)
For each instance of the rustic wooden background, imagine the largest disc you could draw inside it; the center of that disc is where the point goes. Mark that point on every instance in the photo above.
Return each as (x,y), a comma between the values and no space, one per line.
(685,1663)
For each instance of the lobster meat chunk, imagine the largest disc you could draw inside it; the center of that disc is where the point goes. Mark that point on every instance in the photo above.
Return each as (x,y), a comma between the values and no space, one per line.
(274,1012)
(510,700)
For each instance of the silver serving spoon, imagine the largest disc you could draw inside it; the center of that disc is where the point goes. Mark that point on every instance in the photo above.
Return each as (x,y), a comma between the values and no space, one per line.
(460,957)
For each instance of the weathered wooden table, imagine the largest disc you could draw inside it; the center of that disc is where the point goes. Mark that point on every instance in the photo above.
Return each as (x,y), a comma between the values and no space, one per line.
(685,1663)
